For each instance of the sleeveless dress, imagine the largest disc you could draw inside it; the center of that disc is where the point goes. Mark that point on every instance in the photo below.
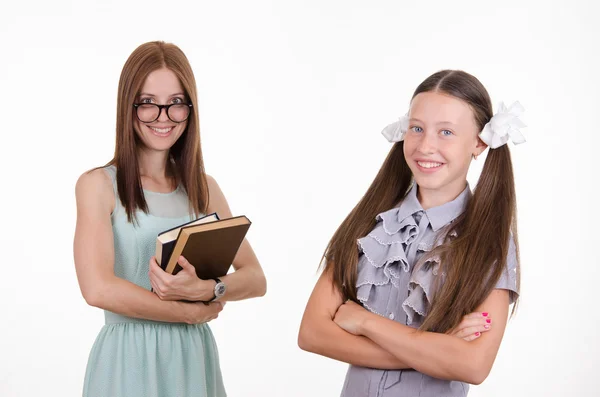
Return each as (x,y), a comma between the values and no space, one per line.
(135,357)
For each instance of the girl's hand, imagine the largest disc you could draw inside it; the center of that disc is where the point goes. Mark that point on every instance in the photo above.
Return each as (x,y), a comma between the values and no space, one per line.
(472,326)
(185,285)
(350,317)
(198,313)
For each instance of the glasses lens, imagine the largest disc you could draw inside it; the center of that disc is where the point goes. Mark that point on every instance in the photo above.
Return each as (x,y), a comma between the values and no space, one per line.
(147,112)
(179,113)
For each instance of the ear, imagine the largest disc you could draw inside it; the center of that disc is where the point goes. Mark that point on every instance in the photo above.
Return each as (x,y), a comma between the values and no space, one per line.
(480,147)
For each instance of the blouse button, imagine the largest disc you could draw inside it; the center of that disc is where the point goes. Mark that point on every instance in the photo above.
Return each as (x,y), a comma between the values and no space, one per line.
(391,316)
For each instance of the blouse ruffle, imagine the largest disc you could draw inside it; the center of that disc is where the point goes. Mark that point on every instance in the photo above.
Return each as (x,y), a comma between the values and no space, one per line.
(384,250)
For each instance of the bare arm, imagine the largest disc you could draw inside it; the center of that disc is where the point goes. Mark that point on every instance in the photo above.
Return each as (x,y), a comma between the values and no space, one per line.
(248,280)
(93,251)
(319,334)
(438,355)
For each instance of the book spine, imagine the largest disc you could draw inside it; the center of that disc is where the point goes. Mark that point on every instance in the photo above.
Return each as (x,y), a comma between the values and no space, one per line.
(177,250)
(167,250)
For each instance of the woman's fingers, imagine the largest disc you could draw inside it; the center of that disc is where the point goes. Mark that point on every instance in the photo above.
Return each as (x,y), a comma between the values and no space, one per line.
(186,265)
(208,312)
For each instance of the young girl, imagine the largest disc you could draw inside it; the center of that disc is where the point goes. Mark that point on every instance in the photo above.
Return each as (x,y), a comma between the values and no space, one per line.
(429,252)
(153,344)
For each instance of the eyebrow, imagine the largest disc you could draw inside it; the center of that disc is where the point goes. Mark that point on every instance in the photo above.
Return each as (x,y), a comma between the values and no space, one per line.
(440,123)
(147,94)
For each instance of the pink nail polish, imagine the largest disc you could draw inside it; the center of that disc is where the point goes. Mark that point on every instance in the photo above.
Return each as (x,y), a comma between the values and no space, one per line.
(485,314)
(489,321)
(486,326)
(477,333)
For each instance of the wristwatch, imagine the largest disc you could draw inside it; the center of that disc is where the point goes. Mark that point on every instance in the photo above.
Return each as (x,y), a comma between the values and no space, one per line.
(220,289)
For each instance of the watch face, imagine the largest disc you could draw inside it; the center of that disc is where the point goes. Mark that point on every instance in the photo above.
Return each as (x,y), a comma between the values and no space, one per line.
(220,289)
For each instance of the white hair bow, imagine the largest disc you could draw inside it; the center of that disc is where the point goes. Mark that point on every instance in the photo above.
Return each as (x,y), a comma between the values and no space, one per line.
(395,132)
(504,126)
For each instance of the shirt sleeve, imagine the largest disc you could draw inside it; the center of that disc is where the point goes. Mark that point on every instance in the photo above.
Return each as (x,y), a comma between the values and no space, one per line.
(508,279)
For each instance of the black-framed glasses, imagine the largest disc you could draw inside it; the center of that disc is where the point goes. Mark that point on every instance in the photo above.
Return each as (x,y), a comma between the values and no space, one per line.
(150,112)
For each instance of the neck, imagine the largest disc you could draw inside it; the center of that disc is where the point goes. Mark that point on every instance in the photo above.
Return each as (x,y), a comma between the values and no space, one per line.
(153,163)
(430,198)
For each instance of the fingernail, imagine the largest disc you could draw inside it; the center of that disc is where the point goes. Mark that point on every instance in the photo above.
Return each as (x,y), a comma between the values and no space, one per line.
(485,314)
(477,333)
(489,320)
(486,326)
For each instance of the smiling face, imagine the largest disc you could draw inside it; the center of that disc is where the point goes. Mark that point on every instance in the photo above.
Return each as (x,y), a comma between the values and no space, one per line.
(162,87)
(441,139)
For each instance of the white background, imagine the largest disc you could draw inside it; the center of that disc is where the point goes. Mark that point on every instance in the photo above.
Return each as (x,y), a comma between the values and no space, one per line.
(292,100)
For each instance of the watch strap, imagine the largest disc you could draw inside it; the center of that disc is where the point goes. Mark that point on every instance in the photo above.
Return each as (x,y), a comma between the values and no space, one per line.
(217,280)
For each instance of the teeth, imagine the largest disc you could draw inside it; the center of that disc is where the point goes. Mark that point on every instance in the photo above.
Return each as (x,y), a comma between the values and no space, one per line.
(427,164)
(162,130)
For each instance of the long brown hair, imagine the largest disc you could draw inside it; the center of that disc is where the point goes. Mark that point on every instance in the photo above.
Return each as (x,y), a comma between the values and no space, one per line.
(185,157)
(474,260)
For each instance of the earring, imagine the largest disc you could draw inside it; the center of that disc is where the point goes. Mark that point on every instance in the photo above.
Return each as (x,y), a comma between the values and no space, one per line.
(475,157)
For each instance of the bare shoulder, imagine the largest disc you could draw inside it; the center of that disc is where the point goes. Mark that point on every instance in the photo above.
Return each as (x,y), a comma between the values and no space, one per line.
(213,188)
(94,187)
(212,183)
(93,181)
(217,201)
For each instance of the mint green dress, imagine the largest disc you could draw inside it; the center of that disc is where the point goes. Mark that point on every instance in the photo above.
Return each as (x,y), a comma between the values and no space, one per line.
(134,357)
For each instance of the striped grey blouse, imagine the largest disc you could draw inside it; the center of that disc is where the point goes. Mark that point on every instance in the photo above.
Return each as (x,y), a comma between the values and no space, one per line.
(388,286)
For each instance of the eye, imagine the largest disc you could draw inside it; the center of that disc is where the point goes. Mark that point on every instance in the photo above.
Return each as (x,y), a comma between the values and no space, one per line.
(416,128)
(177,100)
(146,100)
(446,132)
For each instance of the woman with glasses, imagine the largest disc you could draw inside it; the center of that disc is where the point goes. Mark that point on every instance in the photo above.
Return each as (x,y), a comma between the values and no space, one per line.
(153,343)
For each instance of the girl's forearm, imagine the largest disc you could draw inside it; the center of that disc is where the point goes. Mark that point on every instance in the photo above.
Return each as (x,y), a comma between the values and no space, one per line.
(437,355)
(327,339)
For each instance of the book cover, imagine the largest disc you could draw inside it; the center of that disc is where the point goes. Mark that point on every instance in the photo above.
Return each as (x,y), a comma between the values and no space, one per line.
(166,239)
(209,247)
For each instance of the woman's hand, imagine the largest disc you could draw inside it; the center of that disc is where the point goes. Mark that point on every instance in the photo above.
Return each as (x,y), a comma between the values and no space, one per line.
(472,326)
(350,317)
(185,285)
(198,312)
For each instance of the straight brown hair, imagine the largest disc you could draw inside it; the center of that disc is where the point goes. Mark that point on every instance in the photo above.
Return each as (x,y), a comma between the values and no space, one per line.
(185,162)
(474,260)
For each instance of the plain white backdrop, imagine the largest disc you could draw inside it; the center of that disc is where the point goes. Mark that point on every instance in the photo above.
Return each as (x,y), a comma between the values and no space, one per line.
(293,96)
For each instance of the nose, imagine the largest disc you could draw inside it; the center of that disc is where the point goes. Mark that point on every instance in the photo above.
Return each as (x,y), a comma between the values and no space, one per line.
(162,115)
(427,144)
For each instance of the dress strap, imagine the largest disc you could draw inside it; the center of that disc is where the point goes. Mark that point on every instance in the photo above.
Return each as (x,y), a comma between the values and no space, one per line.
(111,170)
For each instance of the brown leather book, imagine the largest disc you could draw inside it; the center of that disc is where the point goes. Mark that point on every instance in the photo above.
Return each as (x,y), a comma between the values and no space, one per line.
(209,247)
(165,242)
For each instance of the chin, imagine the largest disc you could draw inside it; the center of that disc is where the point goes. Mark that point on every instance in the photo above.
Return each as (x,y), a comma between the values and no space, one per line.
(159,143)
(428,184)
(432,182)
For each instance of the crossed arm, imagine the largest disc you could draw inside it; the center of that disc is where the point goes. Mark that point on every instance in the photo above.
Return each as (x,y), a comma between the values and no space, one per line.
(93,251)
(329,327)
(321,335)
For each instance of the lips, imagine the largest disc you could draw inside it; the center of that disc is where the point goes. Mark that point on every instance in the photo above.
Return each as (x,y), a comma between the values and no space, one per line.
(162,132)
(429,164)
